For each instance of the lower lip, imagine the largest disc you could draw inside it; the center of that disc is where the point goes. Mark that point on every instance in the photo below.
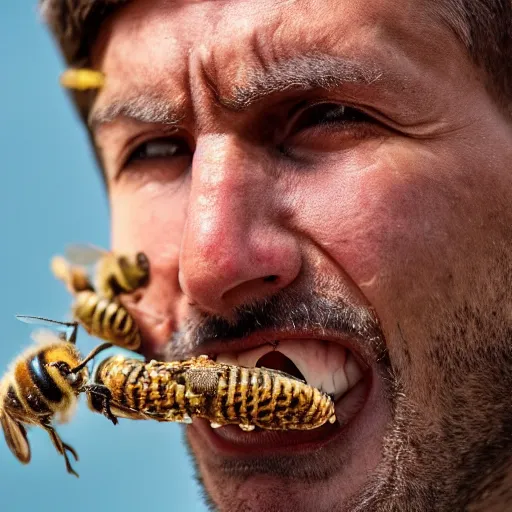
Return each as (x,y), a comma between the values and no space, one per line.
(231,440)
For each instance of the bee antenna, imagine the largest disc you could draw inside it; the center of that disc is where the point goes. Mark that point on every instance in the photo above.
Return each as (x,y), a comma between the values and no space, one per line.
(90,356)
(72,336)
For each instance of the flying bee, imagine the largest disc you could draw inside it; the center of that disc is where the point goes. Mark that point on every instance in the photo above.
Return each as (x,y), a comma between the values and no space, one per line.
(114,273)
(202,388)
(82,79)
(42,386)
(97,306)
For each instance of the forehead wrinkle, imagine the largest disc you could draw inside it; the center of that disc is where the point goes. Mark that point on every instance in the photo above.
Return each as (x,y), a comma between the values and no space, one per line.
(304,72)
(142,108)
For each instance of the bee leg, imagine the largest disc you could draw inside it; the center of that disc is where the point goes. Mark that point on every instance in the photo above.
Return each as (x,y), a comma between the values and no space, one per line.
(99,400)
(70,449)
(61,447)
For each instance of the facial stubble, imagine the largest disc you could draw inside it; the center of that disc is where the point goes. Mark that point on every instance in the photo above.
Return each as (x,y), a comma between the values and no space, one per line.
(448,464)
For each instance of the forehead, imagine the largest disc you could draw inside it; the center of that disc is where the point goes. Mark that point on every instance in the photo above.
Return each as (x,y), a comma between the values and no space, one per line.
(166,45)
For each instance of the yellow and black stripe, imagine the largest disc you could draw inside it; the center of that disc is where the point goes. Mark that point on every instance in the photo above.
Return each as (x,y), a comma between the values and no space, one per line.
(153,389)
(107,319)
(41,388)
(118,274)
(37,389)
(224,394)
(268,399)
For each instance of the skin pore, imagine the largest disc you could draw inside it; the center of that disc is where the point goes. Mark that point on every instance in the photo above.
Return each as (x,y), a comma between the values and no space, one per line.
(351,152)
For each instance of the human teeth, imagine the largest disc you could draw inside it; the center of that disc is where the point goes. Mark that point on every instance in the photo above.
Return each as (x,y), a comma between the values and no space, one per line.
(352,370)
(338,385)
(325,365)
(215,425)
(247,428)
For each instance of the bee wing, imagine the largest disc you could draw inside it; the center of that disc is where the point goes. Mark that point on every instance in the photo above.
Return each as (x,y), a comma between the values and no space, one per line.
(84,254)
(40,320)
(66,331)
(75,277)
(16,437)
(60,268)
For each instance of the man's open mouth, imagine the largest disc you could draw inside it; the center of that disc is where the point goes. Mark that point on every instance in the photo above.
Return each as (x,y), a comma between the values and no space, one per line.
(322,364)
(326,365)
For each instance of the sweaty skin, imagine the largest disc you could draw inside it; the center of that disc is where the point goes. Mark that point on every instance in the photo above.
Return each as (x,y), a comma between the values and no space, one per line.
(231,162)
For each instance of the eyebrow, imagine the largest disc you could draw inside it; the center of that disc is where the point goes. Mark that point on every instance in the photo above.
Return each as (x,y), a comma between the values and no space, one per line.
(142,108)
(305,72)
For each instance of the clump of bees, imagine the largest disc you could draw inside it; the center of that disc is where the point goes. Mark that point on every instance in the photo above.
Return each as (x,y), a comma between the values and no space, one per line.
(43,384)
(97,306)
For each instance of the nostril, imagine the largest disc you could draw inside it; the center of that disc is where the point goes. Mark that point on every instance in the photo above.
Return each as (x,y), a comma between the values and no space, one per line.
(270,279)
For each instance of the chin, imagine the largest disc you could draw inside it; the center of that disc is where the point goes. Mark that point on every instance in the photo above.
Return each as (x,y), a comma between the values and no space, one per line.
(324,469)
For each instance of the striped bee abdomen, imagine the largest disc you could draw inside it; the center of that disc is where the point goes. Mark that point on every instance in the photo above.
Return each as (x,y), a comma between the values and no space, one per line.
(107,319)
(154,389)
(97,306)
(266,398)
(223,394)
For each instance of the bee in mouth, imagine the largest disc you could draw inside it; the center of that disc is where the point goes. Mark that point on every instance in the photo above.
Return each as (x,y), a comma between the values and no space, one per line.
(203,388)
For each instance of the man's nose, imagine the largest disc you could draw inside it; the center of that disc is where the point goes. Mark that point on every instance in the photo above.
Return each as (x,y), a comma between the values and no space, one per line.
(237,247)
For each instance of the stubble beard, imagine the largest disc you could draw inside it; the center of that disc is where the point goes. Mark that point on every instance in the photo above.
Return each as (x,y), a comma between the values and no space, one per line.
(455,458)
(460,457)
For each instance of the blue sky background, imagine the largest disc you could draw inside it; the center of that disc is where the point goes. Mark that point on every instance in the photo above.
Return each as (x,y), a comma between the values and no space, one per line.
(51,195)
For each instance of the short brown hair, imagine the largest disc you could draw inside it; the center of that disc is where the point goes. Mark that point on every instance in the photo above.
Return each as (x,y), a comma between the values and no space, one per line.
(483,26)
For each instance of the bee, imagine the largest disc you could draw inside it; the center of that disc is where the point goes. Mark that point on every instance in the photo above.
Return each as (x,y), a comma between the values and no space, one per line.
(202,388)
(42,386)
(114,273)
(97,306)
(82,79)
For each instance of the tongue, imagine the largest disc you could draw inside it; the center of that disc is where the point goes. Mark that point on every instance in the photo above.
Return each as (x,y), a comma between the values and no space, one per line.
(278,361)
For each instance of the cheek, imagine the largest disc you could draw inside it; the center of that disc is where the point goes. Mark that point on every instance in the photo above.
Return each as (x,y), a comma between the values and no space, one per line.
(417,233)
(390,223)
(151,219)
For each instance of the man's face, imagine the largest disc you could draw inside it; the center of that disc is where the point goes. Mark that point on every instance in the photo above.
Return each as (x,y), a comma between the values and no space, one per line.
(326,182)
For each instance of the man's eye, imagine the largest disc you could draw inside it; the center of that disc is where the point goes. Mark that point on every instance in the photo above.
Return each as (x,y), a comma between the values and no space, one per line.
(161,148)
(327,127)
(328,115)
